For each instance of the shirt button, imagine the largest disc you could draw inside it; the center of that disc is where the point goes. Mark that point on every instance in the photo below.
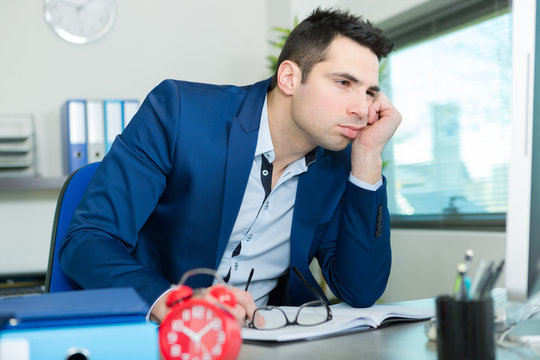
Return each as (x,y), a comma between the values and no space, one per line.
(266,204)
(265,172)
(235,266)
(249,236)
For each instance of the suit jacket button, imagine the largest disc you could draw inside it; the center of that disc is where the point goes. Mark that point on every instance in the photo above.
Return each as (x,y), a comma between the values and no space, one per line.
(380,209)
(378,233)
(379,226)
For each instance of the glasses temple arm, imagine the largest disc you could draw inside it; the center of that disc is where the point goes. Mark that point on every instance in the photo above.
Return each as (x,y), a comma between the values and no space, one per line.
(314,290)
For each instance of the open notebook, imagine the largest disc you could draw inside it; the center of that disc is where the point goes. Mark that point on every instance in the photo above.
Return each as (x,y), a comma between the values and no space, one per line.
(345,320)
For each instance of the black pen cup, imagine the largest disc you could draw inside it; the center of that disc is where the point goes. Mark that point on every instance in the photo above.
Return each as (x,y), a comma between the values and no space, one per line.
(465,329)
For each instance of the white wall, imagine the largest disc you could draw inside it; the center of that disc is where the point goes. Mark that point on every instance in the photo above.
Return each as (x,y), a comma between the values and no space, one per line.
(424,262)
(203,40)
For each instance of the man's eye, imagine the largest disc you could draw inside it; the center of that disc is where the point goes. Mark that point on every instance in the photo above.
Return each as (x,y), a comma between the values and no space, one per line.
(371,93)
(344,83)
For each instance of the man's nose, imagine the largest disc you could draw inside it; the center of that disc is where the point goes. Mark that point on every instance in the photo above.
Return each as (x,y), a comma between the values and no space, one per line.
(359,107)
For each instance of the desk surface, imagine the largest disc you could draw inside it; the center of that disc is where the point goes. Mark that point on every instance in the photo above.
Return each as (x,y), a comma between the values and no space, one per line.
(395,342)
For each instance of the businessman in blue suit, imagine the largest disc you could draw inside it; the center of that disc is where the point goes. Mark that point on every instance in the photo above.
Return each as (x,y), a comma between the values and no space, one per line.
(263,177)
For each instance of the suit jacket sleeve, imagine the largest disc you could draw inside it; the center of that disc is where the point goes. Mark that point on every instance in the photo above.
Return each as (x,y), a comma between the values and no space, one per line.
(96,251)
(355,254)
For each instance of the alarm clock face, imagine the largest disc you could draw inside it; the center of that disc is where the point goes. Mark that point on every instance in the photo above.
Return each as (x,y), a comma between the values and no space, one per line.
(197,329)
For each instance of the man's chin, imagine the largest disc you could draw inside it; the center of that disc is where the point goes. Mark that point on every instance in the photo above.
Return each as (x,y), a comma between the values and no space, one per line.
(338,146)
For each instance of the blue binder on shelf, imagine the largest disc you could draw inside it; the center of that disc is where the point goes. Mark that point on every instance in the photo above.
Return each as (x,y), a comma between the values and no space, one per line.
(129,109)
(74,135)
(95,129)
(98,324)
(113,121)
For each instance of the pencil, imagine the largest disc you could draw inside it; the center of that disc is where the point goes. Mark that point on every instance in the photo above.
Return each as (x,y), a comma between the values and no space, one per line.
(249,279)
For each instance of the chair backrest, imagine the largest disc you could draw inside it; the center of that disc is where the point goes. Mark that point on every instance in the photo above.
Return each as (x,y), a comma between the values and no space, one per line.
(70,196)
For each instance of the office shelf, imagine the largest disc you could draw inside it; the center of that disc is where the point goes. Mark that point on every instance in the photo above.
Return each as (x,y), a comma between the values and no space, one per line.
(31,183)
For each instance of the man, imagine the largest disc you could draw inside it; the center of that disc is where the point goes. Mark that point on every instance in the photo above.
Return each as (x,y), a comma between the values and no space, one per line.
(261,177)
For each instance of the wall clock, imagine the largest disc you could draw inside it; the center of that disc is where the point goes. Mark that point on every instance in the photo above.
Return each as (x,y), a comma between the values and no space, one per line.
(80,21)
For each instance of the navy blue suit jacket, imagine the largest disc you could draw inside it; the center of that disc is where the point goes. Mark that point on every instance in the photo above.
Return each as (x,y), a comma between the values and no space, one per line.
(166,196)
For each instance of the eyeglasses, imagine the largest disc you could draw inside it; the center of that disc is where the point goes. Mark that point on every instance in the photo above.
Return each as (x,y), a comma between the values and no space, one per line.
(311,313)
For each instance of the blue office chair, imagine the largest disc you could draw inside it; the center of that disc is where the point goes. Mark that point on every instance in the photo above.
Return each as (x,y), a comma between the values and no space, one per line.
(70,196)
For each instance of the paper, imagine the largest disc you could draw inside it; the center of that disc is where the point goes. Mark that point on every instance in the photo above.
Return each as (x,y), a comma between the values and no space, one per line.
(345,319)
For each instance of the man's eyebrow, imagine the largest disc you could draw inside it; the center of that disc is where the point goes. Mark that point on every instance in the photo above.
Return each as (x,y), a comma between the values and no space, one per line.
(347,76)
(351,78)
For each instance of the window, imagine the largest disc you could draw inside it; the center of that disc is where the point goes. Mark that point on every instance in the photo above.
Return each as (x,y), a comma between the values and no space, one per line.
(448,162)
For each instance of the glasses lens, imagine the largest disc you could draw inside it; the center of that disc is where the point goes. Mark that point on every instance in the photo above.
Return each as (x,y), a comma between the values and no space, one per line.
(312,313)
(268,318)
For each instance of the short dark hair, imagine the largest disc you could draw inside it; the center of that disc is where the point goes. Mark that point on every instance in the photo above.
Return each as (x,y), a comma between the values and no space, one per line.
(308,42)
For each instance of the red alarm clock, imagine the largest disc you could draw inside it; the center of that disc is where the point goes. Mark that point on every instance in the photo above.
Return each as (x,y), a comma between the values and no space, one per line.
(196,328)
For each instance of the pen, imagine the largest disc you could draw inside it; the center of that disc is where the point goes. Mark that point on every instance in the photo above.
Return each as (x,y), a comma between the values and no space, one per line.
(462,291)
(466,278)
(480,271)
(459,278)
(249,279)
(492,280)
(483,281)
(468,258)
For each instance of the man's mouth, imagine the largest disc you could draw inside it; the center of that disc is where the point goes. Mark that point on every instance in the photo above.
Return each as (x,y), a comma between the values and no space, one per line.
(350,131)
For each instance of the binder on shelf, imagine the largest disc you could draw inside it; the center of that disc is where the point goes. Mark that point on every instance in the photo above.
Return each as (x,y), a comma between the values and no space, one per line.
(129,108)
(74,129)
(95,128)
(113,121)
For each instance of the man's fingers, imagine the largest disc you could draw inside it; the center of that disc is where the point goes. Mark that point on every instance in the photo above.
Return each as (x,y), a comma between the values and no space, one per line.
(160,310)
(381,107)
(239,314)
(245,300)
(373,114)
(244,308)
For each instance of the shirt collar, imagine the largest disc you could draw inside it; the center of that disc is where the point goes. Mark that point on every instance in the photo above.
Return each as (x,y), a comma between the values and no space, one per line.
(264,140)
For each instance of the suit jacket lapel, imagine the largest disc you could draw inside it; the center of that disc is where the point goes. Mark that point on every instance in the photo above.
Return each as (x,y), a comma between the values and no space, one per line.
(308,205)
(241,148)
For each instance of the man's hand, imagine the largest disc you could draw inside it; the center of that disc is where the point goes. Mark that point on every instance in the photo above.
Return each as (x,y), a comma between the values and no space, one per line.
(382,121)
(160,309)
(245,306)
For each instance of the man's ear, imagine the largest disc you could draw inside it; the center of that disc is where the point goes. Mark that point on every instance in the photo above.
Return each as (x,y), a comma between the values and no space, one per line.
(289,76)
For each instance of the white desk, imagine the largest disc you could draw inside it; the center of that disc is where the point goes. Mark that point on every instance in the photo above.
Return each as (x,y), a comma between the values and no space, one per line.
(395,342)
